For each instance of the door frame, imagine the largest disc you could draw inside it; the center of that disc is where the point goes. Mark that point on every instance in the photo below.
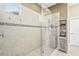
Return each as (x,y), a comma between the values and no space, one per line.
(58,32)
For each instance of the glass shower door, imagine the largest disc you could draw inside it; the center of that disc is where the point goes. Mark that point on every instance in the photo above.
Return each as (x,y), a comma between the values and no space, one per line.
(50,34)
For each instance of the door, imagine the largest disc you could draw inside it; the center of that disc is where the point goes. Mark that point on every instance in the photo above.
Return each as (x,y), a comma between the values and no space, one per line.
(50,34)
(74,31)
(54,30)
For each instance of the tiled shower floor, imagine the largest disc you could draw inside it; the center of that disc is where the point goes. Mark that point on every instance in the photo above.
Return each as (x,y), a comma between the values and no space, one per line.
(38,52)
(73,51)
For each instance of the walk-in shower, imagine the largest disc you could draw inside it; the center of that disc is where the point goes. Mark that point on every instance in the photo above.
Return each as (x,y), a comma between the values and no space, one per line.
(49,31)
(28,29)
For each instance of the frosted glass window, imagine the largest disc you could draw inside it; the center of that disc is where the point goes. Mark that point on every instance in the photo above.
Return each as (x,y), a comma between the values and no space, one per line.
(13,8)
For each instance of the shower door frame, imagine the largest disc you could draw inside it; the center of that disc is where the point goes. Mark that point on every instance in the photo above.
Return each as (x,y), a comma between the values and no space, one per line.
(58,16)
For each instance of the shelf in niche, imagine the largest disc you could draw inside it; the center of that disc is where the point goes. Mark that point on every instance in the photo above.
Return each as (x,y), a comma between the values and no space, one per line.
(62,35)
(63,22)
(63,28)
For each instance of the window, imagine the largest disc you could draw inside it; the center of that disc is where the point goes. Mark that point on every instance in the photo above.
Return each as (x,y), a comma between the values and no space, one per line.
(13,8)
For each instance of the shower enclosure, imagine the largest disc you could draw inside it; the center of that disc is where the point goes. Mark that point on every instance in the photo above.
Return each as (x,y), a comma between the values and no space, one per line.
(51,40)
(50,31)
(25,32)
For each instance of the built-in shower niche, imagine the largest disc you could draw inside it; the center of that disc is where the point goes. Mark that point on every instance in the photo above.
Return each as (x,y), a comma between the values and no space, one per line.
(63,36)
(63,28)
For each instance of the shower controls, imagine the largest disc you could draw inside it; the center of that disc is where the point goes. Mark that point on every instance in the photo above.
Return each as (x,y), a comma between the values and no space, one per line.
(20,19)
(1,35)
(9,18)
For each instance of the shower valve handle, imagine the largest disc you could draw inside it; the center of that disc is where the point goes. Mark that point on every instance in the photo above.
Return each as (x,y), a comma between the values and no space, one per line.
(2,35)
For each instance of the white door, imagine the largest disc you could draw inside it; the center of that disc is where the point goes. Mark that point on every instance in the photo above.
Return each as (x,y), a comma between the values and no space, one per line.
(74,31)
(54,30)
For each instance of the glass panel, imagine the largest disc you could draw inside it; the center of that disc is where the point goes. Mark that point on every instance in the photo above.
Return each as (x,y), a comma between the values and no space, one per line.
(49,31)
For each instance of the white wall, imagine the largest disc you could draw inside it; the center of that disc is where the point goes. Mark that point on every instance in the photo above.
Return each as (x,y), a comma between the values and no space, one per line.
(19,40)
(73,18)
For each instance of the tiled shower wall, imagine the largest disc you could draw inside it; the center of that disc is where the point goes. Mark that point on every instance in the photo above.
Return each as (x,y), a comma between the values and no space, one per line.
(19,40)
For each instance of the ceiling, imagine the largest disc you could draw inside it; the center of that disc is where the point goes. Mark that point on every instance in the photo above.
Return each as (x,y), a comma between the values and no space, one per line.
(46,5)
(73,4)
